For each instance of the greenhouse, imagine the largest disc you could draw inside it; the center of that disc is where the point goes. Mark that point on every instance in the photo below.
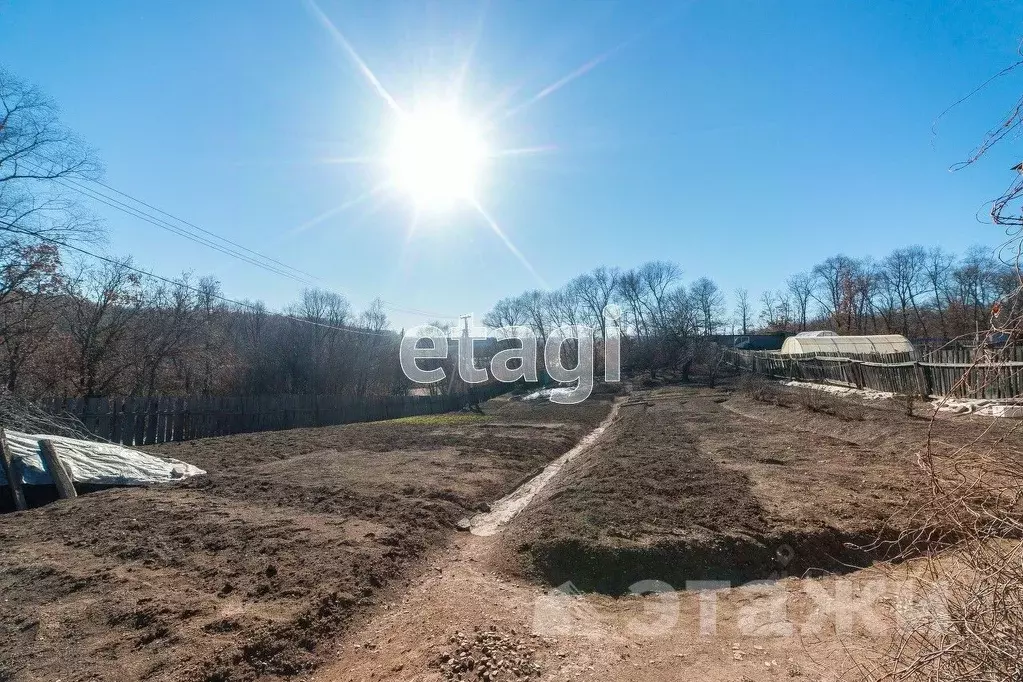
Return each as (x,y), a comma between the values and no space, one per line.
(878,344)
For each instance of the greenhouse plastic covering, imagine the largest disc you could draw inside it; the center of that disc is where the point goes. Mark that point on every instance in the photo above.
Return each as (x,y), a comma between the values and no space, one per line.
(836,345)
(94,463)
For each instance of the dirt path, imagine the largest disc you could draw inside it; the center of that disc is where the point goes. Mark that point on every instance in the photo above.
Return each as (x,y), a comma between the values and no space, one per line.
(791,628)
(508,507)
(256,570)
(565,634)
(594,637)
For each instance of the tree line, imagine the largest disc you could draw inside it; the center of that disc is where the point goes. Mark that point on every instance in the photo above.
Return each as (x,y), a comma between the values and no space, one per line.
(107,330)
(914,291)
(85,327)
(101,326)
(664,322)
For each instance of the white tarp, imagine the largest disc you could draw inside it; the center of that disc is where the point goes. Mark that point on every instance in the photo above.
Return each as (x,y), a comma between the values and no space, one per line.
(839,345)
(983,406)
(865,393)
(1009,409)
(91,462)
(548,392)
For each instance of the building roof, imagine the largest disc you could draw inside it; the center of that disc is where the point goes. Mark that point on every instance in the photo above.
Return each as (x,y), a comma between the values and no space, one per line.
(837,345)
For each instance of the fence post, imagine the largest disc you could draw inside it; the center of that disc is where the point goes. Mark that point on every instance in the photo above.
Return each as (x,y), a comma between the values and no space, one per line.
(922,383)
(58,472)
(857,373)
(12,470)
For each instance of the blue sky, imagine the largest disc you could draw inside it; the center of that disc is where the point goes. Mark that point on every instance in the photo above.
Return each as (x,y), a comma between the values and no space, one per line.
(744,140)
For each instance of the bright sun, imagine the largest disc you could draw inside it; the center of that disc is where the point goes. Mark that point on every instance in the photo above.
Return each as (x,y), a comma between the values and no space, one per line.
(437,157)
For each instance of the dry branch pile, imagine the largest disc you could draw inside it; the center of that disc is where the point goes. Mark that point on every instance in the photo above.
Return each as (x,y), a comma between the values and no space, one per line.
(23,415)
(975,516)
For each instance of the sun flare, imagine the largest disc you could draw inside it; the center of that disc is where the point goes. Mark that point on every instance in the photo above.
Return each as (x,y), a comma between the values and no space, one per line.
(437,157)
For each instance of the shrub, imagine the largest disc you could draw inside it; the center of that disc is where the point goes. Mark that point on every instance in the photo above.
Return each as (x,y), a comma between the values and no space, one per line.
(757,387)
(815,400)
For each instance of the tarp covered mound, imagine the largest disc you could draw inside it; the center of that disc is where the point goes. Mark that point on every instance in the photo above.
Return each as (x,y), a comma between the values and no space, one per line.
(95,463)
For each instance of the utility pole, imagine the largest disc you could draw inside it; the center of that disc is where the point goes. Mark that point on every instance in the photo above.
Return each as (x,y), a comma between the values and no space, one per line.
(466,340)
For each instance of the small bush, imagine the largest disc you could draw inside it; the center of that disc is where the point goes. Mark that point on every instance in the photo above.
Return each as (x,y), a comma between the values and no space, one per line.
(757,387)
(815,400)
(909,403)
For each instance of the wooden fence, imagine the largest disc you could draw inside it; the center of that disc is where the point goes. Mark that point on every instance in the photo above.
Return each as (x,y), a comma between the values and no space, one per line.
(147,421)
(894,373)
(970,354)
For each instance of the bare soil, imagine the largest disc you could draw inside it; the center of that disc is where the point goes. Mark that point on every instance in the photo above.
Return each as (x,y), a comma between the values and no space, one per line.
(330,554)
(705,484)
(705,477)
(257,569)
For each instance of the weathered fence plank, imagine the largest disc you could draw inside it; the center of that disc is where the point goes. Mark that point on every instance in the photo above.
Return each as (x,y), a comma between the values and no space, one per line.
(896,373)
(58,472)
(12,472)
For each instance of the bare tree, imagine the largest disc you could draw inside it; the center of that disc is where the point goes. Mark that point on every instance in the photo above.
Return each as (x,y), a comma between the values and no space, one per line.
(564,307)
(710,303)
(683,315)
(100,309)
(658,279)
(37,154)
(630,292)
(863,291)
(768,308)
(800,288)
(939,265)
(373,322)
(903,273)
(743,309)
(836,278)
(597,290)
(26,309)
(166,335)
(536,305)
(508,312)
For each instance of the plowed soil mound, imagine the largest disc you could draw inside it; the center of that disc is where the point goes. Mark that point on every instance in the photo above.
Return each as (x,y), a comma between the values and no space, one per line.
(254,570)
(702,484)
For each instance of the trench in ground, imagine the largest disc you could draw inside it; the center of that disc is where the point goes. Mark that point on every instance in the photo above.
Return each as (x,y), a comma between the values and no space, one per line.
(612,570)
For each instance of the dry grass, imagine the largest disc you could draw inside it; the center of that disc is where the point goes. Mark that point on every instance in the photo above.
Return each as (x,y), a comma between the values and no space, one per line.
(761,389)
(448,419)
(756,387)
(972,527)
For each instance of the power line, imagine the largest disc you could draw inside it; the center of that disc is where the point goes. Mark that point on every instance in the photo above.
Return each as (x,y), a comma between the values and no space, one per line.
(201,229)
(416,311)
(113,203)
(179,283)
(284,270)
(163,224)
